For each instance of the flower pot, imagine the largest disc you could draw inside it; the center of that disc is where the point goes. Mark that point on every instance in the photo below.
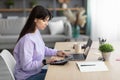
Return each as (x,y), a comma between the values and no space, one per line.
(10,6)
(106,56)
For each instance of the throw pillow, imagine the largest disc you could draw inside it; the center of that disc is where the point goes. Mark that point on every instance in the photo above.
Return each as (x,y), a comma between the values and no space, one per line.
(56,27)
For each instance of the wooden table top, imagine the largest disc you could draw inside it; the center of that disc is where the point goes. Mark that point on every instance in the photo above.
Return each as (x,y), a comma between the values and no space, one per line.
(70,70)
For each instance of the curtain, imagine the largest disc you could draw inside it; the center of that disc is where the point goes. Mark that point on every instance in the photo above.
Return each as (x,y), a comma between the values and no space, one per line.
(104,19)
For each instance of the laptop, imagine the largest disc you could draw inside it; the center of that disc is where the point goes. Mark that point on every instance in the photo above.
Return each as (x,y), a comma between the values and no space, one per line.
(89,43)
(81,56)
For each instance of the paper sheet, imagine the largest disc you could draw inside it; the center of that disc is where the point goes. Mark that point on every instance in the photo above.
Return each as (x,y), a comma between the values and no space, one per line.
(92,66)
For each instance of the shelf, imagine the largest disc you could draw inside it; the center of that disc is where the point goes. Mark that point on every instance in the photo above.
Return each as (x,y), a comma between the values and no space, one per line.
(11,10)
(61,9)
(29,9)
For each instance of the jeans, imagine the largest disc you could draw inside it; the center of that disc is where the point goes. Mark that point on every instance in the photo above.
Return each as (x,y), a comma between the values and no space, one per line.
(38,76)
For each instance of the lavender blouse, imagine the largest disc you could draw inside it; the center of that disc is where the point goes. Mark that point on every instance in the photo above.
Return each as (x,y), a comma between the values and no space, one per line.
(29,53)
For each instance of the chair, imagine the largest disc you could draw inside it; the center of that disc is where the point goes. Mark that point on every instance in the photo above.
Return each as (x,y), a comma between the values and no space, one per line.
(9,63)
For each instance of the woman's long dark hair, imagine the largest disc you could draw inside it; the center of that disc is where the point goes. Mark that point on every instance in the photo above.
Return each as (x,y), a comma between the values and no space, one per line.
(38,12)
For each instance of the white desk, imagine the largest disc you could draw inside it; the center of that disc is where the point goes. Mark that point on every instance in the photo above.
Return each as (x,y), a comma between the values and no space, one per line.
(70,71)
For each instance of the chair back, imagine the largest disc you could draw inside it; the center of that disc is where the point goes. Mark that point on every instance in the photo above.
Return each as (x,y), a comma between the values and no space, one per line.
(9,61)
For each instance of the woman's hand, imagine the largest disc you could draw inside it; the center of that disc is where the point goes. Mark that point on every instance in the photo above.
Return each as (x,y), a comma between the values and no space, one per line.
(50,60)
(61,54)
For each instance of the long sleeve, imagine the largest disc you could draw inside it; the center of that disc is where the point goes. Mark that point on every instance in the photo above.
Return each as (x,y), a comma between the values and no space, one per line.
(50,52)
(26,56)
(29,53)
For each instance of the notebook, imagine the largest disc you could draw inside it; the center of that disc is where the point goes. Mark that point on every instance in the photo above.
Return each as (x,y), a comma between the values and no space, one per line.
(92,66)
(81,56)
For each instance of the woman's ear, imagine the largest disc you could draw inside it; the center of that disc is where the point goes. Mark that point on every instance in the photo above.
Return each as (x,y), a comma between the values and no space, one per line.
(35,20)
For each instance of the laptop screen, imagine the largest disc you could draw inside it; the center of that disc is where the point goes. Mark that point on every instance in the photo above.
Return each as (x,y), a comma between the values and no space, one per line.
(89,42)
(88,45)
(86,51)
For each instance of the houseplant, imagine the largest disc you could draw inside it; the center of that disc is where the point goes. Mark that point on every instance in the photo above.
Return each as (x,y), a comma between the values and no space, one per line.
(33,3)
(105,49)
(9,3)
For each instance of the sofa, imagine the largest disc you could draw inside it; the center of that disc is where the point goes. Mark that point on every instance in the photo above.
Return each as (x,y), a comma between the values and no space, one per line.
(50,38)
(9,32)
(10,29)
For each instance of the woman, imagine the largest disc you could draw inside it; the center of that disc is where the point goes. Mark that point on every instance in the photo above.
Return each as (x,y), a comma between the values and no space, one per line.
(30,49)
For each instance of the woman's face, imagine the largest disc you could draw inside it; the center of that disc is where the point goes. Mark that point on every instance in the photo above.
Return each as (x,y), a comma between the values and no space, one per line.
(41,24)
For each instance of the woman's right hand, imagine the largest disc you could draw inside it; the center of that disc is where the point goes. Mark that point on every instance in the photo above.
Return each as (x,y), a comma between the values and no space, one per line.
(50,60)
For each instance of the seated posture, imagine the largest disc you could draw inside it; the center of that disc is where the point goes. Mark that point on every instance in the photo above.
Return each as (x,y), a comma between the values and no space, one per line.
(30,50)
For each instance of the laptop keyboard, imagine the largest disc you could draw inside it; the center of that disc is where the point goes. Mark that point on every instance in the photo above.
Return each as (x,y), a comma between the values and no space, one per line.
(75,57)
(78,57)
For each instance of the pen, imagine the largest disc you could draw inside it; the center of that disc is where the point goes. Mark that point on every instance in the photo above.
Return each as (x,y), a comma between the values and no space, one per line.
(88,65)
(66,50)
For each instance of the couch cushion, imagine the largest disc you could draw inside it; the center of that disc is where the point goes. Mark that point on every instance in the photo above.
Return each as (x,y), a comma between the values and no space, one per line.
(2,25)
(8,39)
(54,38)
(63,18)
(45,31)
(56,27)
(11,26)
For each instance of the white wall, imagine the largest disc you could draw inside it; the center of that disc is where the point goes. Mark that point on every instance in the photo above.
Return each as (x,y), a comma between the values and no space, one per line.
(105,17)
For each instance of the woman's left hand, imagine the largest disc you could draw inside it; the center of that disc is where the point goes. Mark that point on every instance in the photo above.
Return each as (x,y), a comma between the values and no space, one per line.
(61,54)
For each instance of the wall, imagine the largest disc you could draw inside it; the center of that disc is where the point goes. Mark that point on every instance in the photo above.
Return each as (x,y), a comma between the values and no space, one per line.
(25,4)
(22,4)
